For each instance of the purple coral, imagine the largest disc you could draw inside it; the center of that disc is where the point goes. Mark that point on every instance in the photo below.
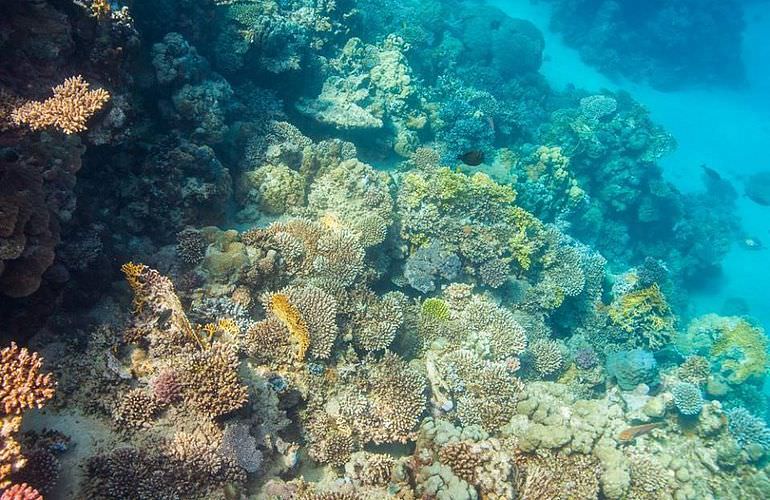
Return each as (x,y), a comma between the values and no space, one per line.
(586,358)
(166,388)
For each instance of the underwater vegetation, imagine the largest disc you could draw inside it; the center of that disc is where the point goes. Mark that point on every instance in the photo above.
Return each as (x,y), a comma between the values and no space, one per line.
(353,249)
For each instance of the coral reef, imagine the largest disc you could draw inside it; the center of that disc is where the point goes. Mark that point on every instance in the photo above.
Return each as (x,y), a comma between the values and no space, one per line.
(383,259)
(621,39)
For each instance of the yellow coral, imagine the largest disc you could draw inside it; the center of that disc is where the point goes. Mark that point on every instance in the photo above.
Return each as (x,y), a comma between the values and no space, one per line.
(434,308)
(747,347)
(291,317)
(645,312)
(132,272)
(68,110)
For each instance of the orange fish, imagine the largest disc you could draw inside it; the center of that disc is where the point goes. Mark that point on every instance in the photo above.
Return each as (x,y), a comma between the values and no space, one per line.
(633,432)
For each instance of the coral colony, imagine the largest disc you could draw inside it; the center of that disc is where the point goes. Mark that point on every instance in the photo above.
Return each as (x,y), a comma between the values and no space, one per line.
(354,250)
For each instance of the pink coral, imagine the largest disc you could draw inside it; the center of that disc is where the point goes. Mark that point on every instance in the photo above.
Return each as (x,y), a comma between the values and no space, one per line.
(21,491)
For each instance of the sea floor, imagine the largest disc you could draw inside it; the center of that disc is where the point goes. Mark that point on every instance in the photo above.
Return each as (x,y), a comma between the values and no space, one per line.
(726,129)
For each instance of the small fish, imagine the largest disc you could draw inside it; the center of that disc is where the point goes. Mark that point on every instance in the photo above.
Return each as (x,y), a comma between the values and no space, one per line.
(633,432)
(472,158)
(750,243)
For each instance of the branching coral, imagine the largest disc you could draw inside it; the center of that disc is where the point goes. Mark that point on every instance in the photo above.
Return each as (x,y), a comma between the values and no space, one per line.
(68,110)
(21,491)
(209,380)
(357,197)
(375,320)
(309,314)
(22,386)
(742,350)
(645,314)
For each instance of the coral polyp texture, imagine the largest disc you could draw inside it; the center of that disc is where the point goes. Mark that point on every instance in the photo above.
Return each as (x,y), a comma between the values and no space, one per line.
(363,249)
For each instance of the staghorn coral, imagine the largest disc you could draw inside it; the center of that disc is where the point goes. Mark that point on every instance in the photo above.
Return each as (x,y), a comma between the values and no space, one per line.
(209,380)
(68,110)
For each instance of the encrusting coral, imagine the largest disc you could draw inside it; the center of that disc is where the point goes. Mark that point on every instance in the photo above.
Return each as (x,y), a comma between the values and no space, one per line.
(68,110)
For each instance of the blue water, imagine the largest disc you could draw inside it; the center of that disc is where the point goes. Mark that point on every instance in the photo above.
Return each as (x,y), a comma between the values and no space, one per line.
(726,129)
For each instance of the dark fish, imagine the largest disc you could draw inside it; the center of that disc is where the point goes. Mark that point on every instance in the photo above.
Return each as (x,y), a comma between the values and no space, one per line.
(472,158)
(711,173)
(758,188)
